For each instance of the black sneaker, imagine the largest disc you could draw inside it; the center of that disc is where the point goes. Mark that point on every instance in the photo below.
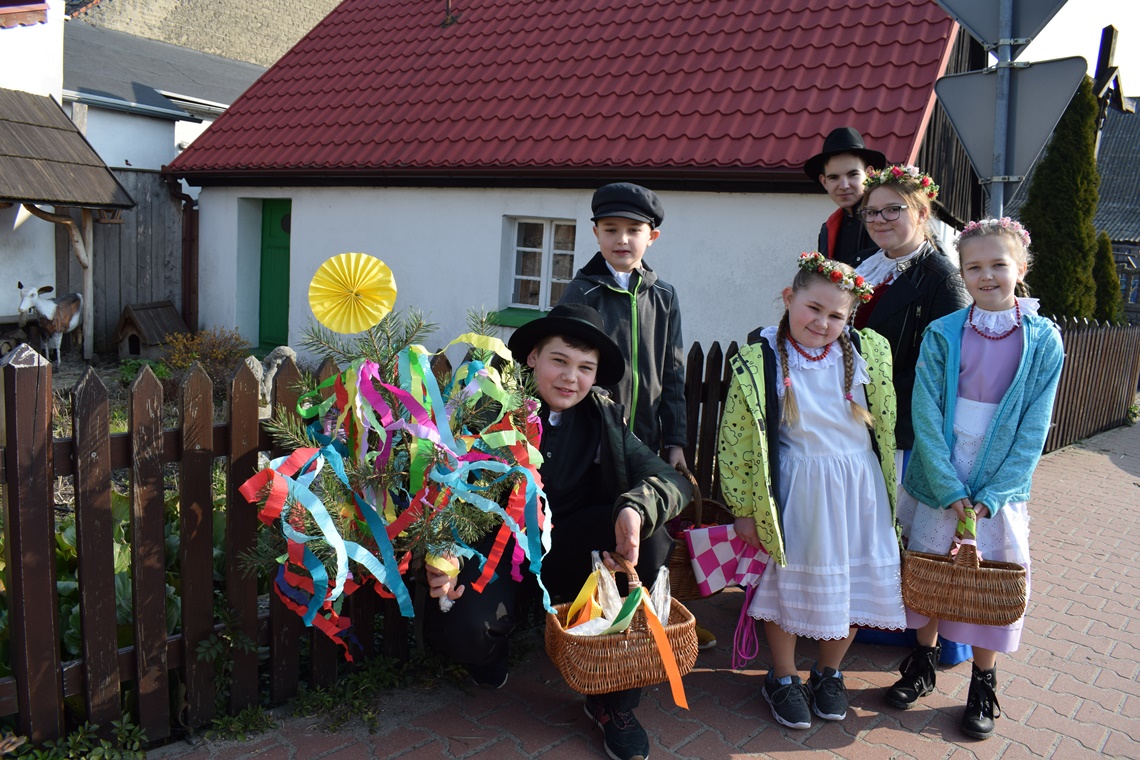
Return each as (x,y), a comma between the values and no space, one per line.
(828,694)
(625,739)
(789,701)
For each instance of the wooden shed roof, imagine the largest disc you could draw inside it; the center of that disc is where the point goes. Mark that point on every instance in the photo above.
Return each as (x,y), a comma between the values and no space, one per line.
(154,321)
(45,159)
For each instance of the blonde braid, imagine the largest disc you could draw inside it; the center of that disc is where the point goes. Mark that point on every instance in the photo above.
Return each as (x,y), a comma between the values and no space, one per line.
(791,412)
(857,411)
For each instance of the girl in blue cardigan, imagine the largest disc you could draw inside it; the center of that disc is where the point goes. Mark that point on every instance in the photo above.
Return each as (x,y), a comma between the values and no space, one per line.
(983,399)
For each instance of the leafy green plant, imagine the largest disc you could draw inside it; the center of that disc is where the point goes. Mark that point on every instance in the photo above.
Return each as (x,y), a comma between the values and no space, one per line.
(1133,414)
(129,370)
(218,649)
(251,721)
(84,743)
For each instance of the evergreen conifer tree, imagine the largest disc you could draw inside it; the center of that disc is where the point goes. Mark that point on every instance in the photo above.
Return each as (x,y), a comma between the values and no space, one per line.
(1109,302)
(1060,209)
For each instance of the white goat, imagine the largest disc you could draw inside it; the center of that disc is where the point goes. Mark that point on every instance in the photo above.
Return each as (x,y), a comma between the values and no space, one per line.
(56,316)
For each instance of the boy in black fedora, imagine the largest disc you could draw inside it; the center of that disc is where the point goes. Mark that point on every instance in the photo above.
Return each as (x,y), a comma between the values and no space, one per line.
(841,168)
(606,491)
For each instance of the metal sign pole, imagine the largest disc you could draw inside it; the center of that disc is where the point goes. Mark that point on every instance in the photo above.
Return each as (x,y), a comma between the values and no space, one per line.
(1001,108)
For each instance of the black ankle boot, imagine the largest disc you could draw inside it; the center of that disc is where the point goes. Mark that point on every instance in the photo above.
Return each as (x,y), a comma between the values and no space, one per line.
(981,704)
(917,677)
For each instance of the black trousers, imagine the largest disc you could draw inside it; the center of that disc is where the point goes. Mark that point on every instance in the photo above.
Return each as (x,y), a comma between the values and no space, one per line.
(476,631)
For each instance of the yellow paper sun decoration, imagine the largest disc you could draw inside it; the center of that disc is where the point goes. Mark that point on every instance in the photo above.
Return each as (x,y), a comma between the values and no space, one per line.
(352,292)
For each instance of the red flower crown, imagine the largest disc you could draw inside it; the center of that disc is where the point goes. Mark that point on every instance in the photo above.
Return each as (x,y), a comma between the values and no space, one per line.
(814,261)
(906,176)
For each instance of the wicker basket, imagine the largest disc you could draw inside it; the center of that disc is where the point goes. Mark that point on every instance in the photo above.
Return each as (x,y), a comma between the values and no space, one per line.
(963,590)
(617,661)
(701,513)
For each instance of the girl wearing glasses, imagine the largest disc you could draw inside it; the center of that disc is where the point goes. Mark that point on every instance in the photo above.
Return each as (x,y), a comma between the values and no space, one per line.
(914,282)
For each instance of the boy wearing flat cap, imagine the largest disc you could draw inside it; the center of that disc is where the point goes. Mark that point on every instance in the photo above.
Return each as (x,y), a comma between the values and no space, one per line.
(841,168)
(606,491)
(640,312)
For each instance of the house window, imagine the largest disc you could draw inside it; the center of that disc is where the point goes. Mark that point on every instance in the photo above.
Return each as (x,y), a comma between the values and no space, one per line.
(543,262)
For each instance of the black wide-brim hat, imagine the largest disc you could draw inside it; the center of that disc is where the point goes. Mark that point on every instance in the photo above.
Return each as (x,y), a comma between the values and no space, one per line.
(578,321)
(842,140)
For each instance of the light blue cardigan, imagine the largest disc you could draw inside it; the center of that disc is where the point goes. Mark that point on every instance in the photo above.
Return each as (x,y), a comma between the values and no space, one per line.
(1004,468)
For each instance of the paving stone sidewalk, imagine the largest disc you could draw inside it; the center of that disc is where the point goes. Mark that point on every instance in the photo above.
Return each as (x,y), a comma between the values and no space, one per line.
(1072,691)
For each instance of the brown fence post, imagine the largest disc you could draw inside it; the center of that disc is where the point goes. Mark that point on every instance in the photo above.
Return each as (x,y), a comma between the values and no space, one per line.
(694,366)
(284,625)
(196,544)
(148,554)
(29,530)
(710,419)
(241,531)
(95,532)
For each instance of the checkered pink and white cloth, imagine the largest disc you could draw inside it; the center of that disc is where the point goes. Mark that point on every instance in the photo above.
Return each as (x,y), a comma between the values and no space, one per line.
(721,559)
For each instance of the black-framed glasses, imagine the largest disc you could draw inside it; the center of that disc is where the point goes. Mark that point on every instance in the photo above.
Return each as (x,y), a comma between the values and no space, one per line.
(888,213)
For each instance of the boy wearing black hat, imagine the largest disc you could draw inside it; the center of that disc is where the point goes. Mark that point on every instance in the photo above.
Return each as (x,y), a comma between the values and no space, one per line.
(841,168)
(641,313)
(606,491)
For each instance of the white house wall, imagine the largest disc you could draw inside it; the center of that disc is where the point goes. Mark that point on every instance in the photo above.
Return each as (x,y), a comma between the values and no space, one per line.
(31,57)
(129,140)
(31,60)
(728,254)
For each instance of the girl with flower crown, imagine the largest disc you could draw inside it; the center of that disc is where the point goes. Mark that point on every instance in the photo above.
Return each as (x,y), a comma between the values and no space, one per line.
(983,398)
(806,459)
(914,282)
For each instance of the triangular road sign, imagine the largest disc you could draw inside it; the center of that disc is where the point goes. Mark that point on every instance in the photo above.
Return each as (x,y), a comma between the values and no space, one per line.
(980,19)
(1038,95)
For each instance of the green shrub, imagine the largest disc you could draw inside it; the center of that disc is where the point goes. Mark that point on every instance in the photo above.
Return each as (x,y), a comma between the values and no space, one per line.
(1109,301)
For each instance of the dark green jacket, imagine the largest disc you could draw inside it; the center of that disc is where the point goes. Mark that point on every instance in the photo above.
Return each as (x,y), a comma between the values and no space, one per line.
(647,327)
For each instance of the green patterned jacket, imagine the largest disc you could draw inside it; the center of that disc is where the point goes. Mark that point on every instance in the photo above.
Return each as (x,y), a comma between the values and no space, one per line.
(749,478)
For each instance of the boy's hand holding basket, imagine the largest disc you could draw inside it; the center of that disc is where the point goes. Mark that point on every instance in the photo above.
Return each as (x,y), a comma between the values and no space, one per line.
(647,651)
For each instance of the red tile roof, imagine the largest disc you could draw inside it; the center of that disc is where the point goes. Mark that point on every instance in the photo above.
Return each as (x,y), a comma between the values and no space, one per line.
(382,90)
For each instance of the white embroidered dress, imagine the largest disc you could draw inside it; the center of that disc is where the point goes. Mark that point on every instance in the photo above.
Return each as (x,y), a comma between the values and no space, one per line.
(843,557)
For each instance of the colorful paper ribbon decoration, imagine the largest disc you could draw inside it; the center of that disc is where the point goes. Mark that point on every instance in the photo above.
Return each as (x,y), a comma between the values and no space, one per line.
(446,467)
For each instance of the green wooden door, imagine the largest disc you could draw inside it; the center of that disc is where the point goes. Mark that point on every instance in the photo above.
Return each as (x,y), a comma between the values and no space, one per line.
(274,304)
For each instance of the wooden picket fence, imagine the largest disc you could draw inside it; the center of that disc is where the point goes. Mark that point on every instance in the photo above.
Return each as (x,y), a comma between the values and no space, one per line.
(1097,384)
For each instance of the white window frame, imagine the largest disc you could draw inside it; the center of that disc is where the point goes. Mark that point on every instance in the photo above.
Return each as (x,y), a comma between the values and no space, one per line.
(545,277)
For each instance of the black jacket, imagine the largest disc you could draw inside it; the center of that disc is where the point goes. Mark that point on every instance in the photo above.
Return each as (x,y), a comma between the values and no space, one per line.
(647,325)
(930,287)
(636,476)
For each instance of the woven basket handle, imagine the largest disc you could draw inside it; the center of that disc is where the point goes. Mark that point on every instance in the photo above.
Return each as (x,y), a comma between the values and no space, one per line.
(697,500)
(627,568)
(966,537)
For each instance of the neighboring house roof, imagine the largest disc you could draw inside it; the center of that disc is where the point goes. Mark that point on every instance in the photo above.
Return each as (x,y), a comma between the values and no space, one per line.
(44,158)
(569,92)
(120,71)
(1118,162)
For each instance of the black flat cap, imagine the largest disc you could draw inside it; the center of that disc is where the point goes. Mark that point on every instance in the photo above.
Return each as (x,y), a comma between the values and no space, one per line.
(629,201)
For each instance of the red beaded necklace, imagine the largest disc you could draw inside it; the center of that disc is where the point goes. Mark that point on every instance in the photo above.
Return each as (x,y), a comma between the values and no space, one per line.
(805,354)
(1004,335)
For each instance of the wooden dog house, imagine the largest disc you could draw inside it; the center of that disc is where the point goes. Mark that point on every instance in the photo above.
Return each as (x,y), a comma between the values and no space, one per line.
(144,328)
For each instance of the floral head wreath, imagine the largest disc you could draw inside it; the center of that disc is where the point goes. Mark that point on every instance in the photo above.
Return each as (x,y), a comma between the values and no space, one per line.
(907,176)
(994,227)
(813,261)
